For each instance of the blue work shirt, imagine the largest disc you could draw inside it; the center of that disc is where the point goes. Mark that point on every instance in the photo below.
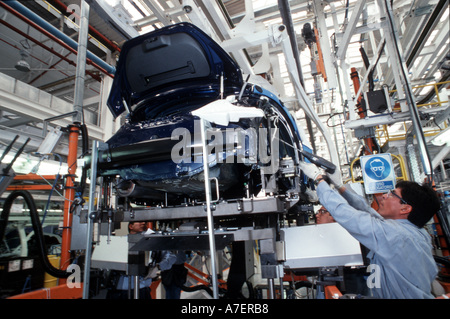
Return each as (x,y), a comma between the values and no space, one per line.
(400,251)
(123,282)
(170,258)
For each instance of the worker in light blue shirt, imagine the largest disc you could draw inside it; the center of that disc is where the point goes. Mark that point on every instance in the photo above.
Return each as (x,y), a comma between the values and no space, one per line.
(402,264)
(173,272)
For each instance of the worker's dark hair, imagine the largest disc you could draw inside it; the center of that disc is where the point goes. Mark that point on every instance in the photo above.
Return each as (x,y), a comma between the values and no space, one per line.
(423,200)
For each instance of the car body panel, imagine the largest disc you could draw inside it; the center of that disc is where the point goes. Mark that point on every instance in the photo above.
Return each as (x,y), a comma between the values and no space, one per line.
(166,79)
(179,61)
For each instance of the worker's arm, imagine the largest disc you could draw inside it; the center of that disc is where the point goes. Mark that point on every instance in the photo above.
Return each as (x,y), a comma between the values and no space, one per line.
(356,201)
(367,226)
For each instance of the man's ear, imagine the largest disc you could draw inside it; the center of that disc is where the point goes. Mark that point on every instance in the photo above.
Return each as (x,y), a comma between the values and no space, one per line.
(405,209)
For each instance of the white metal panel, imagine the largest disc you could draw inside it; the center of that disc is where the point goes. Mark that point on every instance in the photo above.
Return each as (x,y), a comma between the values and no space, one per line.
(320,246)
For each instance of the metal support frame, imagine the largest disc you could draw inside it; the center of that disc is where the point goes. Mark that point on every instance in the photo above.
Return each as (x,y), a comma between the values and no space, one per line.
(81,63)
(217,239)
(324,43)
(343,44)
(90,221)
(394,51)
(210,218)
(407,88)
(225,32)
(195,240)
(305,102)
(73,137)
(69,195)
(240,207)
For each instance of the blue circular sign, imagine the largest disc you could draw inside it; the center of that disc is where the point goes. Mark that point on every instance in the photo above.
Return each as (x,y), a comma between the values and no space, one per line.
(377,168)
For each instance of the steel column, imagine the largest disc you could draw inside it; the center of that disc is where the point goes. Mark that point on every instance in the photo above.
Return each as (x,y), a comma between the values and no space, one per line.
(69,196)
(212,242)
(81,63)
(90,221)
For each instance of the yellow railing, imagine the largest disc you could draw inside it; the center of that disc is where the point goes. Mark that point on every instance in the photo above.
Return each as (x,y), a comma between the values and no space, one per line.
(382,132)
(436,91)
(383,135)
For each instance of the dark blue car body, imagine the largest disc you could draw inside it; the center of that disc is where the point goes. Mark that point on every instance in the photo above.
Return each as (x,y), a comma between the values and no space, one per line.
(161,78)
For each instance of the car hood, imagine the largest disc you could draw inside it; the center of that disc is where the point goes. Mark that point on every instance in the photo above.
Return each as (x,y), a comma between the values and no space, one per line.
(177,62)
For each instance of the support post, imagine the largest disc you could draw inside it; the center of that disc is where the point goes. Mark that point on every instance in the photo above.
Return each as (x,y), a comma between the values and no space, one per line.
(212,243)
(69,196)
(81,63)
(90,222)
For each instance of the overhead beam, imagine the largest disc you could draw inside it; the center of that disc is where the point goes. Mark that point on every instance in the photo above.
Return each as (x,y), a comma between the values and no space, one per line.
(37,106)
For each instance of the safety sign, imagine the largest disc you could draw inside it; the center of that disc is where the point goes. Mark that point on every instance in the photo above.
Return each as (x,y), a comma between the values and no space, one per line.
(378,173)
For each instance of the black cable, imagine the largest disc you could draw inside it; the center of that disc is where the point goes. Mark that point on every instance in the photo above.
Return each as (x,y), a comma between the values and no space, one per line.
(85,149)
(331,116)
(198,287)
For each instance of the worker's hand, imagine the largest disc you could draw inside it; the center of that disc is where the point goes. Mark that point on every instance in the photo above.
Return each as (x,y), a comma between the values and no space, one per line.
(153,272)
(336,179)
(310,170)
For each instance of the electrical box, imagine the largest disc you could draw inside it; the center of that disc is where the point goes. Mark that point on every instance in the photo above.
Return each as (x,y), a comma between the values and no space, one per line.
(377,101)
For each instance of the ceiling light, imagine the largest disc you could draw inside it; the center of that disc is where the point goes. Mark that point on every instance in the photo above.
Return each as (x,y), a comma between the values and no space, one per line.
(23,65)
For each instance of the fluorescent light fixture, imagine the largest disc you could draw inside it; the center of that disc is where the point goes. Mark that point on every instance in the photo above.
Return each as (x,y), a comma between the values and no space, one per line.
(50,141)
(441,139)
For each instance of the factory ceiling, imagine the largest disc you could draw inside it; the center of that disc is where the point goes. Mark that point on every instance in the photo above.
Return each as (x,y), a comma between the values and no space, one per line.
(38,65)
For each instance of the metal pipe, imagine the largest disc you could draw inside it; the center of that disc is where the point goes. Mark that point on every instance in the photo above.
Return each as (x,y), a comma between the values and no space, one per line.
(138,153)
(136,287)
(212,242)
(271,288)
(304,100)
(438,10)
(286,16)
(81,63)
(8,148)
(421,141)
(5,170)
(90,222)
(15,5)
(69,196)
(281,288)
